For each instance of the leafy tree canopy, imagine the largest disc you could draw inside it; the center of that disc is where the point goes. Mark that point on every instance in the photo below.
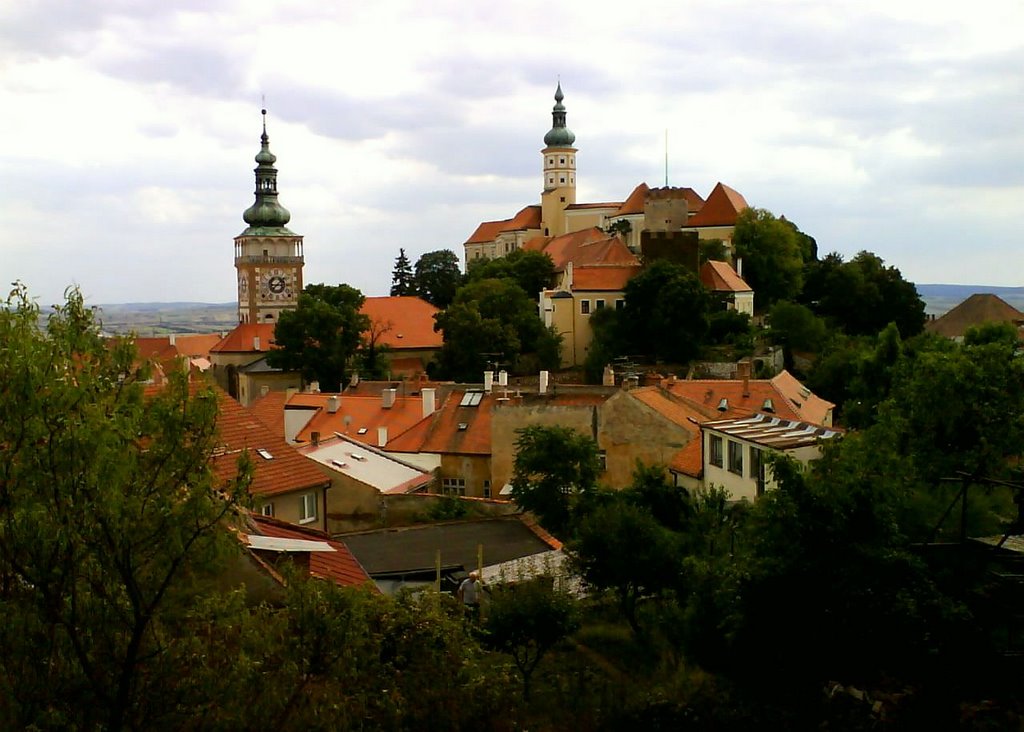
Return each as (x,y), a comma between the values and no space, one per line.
(862,296)
(111,534)
(320,337)
(490,316)
(437,276)
(667,311)
(773,253)
(532,271)
(553,467)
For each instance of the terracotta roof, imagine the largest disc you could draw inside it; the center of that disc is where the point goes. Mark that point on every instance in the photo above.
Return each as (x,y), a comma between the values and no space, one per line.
(527,218)
(978,309)
(587,246)
(269,409)
(710,392)
(689,460)
(808,405)
(677,409)
(721,209)
(634,203)
(721,277)
(283,472)
(358,412)
(339,566)
(409,366)
(242,339)
(406,322)
(452,430)
(603,278)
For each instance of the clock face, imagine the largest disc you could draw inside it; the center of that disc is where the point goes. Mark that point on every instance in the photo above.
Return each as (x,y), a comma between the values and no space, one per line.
(276,284)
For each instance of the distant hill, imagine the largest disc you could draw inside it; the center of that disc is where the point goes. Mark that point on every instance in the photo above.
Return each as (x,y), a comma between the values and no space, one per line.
(940,299)
(155,318)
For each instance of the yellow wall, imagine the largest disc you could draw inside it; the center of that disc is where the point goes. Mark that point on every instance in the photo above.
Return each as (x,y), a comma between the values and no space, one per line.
(287,507)
(474,469)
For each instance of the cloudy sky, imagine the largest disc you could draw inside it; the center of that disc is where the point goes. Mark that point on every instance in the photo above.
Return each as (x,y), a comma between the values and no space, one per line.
(128,128)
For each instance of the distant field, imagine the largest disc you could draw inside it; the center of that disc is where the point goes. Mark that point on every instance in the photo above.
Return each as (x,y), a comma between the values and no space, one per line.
(152,319)
(159,318)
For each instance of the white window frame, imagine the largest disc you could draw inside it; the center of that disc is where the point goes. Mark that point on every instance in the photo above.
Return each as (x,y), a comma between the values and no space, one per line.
(307,508)
(267,509)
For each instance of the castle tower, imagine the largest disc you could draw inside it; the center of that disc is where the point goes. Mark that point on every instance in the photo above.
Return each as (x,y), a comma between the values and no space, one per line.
(559,171)
(268,255)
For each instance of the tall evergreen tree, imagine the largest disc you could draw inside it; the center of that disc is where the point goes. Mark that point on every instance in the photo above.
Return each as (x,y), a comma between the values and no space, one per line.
(402,280)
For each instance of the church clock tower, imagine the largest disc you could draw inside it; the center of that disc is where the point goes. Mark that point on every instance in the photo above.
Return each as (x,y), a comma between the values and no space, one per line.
(559,171)
(268,255)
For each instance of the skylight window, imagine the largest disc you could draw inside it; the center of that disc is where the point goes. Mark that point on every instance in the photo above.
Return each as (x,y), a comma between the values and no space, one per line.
(361,431)
(471,399)
(265,454)
(463,426)
(358,456)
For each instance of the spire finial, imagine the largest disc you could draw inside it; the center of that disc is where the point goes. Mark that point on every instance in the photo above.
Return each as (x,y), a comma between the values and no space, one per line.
(263,111)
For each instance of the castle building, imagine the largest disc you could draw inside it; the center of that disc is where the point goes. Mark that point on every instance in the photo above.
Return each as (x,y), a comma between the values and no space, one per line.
(268,255)
(664,214)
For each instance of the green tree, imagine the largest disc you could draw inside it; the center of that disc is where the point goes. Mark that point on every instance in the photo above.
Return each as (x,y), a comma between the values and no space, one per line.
(772,253)
(667,311)
(437,277)
(322,335)
(620,227)
(526,620)
(796,328)
(554,467)
(402,279)
(862,296)
(488,316)
(111,533)
(651,490)
(532,271)
(607,344)
(623,548)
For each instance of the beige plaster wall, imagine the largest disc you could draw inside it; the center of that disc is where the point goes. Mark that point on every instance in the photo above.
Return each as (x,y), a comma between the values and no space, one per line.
(287,507)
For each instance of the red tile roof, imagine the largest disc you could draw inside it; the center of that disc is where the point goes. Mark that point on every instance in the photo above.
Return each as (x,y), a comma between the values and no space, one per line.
(285,471)
(404,322)
(242,339)
(269,409)
(689,460)
(441,434)
(587,246)
(527,218)
(339,566)
(356,412)
(721,209)
(721,277)
(634,203)
(810,406)
(603,278)
(790,398)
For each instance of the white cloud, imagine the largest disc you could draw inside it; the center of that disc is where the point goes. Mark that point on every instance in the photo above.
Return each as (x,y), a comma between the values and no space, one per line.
(129,129)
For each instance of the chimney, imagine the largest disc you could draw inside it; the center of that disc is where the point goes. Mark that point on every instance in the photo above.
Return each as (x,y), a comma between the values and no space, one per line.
(568,275)
(429,401)
(608,376)
(314,437)
(743,372)
(503,378)
(333,402)
(170,339)
(387,398)
(264,390)
(542,387)
(382,436)
(255,343)
(739,266)
(488,381)
(313,388)
(631,382)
